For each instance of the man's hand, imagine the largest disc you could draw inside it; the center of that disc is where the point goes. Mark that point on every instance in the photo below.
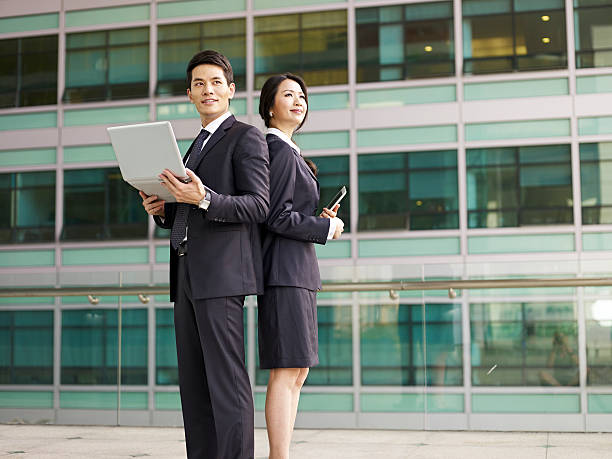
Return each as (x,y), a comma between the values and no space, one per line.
(330,213)
(152,205)
(190,193)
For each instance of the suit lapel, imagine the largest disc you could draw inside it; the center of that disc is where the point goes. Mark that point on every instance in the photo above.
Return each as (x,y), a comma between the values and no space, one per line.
(217,135)
(301,158)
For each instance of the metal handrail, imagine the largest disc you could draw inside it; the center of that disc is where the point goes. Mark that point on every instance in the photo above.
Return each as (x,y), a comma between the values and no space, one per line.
(393,287)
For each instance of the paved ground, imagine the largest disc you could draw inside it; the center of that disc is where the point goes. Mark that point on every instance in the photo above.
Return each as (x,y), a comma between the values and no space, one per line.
(44,441)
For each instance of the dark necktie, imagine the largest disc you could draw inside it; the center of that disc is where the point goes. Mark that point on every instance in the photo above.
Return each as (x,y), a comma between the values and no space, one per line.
(182,209)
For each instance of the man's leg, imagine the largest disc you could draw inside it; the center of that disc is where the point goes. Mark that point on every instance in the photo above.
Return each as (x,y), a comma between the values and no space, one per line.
(200,434)
(220,322)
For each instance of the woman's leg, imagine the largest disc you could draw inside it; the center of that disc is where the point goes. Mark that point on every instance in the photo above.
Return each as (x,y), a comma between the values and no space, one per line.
(282,398)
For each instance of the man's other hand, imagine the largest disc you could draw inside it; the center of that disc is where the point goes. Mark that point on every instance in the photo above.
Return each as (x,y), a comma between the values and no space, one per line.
(152,205)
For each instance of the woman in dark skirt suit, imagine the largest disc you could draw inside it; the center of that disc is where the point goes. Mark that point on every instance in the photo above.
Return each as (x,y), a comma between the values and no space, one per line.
(288,339)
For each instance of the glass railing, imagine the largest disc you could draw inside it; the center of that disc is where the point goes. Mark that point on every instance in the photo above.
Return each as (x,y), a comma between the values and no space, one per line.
(523,345)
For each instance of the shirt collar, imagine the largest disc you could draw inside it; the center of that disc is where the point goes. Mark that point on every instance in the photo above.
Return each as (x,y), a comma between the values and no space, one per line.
(281,135)
(214,125)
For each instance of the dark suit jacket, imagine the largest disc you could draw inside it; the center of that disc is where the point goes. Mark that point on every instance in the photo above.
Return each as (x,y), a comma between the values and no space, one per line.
(224,251)
(292,227)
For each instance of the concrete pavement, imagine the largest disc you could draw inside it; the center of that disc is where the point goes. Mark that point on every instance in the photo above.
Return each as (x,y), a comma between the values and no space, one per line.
(93,442)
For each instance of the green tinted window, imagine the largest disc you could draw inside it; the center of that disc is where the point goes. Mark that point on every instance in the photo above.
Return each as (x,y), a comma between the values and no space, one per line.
(333,174)
(416,191)
(26,347)
(401,42)
(599,342)
(501,37)
(596,189)
(166,370)
(593,33)
(409,345)
(27,200)
(89,346)
(313,45)
(107,65)
(28,71)
(177,43)
(524,344)
(118,213)
(519,186)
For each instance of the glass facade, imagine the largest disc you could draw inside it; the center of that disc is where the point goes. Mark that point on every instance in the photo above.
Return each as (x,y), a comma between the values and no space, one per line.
(593,24)
(416,191)
(313,45)
(28,71)
(453,172)
(118,214)
(401,42)
(519,186)
(507,35)
(595,170)
(28,204)
(26,347)
(107,65)
(177,43)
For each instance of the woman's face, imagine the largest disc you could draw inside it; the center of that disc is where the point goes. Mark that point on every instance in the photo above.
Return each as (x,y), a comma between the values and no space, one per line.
(289,107)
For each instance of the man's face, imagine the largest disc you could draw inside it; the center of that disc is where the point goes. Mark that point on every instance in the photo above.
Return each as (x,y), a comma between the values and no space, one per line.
(209,91)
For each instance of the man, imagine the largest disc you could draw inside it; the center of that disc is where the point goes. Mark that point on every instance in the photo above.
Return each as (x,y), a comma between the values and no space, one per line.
(215,260)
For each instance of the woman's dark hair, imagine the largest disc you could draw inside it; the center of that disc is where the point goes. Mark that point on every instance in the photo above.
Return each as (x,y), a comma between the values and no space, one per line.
(268,93)
(210,57)
(266,102)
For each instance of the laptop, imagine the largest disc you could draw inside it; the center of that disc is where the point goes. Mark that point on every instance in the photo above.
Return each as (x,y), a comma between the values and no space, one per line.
(143,152)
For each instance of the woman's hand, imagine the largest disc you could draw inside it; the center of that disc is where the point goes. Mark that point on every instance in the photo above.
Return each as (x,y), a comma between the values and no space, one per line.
(339,228)
(330,213)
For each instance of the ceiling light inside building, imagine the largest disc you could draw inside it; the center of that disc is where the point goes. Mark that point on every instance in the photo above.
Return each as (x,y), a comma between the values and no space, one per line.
(545,18)
(428,49)
(545,40)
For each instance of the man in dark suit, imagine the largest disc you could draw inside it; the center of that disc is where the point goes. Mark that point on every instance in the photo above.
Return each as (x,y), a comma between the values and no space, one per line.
(215,260)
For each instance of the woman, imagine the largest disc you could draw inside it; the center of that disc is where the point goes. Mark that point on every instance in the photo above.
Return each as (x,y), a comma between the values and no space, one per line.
(288,339)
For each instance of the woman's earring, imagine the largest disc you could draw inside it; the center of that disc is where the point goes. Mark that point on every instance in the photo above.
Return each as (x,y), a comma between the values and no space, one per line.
(271,114)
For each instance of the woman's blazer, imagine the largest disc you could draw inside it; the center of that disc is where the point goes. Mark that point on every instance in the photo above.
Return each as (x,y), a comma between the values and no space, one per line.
(289,256)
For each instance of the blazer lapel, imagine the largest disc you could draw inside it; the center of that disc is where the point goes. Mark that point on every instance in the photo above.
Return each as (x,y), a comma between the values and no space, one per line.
(307,166)
(217,135)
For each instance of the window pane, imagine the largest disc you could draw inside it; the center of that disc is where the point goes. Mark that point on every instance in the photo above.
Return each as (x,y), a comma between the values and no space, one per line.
(26,347)
(519,186)
(395,43)
(28,204)
(118,212)
(28,71)
(89,347)
(415,191)
(524,344)
(333,173)
(503,40)
(107,65)
(393,346)
(178,43)
(596,188)
(593,36)
(599,342)
(313,45)
(166,366)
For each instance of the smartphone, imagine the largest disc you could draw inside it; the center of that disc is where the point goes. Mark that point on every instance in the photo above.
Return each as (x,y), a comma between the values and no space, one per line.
(337,198)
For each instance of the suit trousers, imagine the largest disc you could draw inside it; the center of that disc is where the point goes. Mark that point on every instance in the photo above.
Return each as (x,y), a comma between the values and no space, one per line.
(216,395)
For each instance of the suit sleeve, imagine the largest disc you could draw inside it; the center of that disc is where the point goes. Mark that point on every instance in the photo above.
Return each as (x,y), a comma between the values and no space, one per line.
(282,219)
(168,220)
(252,181)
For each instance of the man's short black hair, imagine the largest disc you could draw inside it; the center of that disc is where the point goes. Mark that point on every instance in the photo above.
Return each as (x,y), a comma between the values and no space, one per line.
(210,57)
